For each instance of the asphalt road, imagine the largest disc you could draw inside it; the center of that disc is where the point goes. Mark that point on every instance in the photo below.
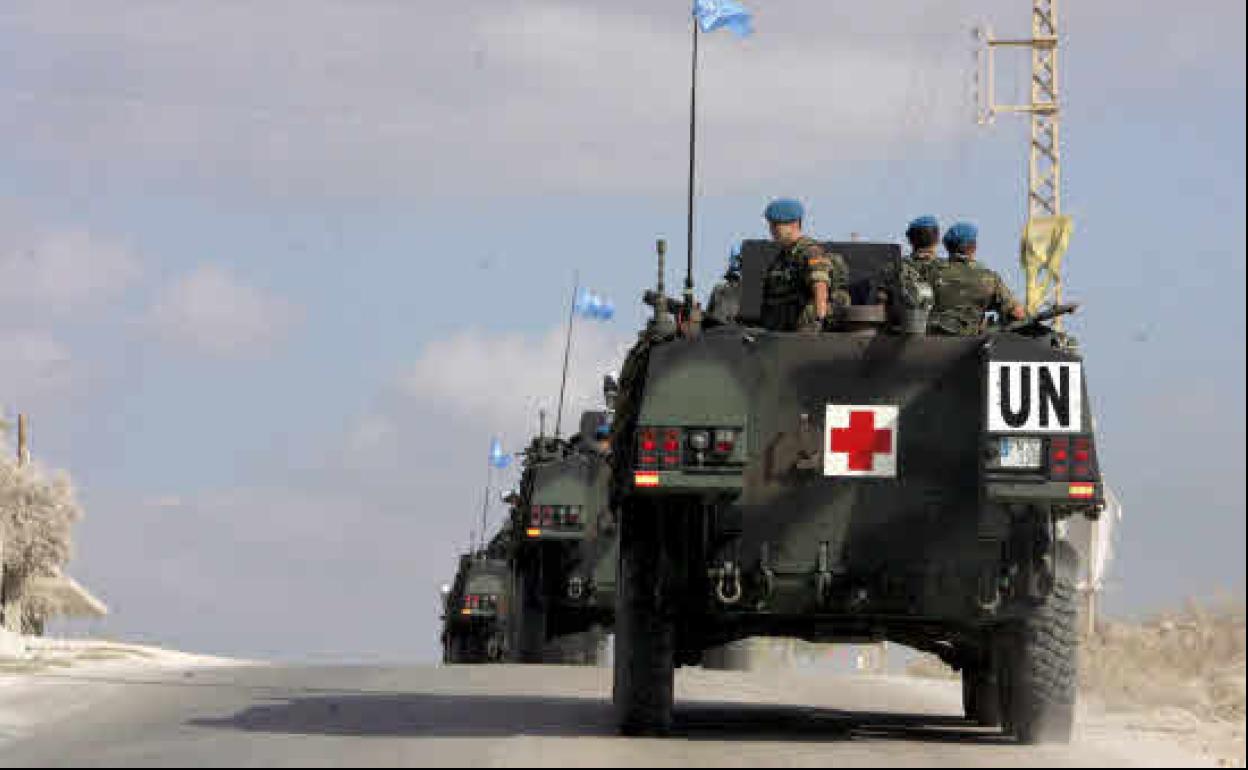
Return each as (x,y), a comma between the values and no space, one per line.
(519,715)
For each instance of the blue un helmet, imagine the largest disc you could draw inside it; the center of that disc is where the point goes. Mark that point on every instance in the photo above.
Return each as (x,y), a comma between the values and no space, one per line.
(784,210)
(961,235)
(923,232)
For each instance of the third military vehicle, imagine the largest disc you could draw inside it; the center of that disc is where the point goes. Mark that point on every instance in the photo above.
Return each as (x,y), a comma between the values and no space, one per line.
(475,611)
(866,482)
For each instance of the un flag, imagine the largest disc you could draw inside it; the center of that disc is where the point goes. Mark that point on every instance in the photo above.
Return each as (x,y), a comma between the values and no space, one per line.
(715,14)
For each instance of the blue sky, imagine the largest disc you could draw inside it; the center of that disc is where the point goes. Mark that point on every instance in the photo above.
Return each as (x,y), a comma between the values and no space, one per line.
(270,280)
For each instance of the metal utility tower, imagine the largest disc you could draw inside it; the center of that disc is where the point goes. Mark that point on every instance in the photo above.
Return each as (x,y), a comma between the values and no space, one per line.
(1047,231)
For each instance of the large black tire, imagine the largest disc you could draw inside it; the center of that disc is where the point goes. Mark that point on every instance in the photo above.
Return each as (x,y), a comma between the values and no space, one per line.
(530,640)
(733,656)
(1039,674)
(981,698)
(459,648)
(644,666)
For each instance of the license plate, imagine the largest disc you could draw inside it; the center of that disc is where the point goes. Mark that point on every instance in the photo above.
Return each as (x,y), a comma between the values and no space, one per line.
(1021,452)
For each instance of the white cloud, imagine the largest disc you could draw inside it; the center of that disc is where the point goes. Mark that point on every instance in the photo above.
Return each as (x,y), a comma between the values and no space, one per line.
(34,364)
(62,270)
(499,382)
(502,97)
(212,311)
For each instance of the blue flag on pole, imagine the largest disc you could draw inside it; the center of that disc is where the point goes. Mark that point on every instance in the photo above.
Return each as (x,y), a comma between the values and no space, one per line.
(714,14)
(590,304)
(498,458)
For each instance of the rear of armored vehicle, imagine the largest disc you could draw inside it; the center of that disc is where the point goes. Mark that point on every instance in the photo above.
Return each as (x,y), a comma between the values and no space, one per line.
(853,486)
(560,498)
(476,612)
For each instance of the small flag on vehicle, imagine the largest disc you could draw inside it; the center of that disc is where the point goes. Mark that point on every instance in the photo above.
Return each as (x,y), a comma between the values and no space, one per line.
(593,305)
(498,458)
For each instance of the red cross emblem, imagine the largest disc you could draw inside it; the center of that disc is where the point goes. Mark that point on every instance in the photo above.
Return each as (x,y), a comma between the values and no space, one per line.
(861,441)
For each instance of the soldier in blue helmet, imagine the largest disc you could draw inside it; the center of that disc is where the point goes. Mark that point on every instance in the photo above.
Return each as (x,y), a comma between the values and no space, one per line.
(923,233)
(804,282)
(966,290)
(911,283)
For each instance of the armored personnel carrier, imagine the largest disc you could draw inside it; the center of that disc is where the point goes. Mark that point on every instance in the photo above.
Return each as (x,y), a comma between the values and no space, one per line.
(563,539)
(864,483)
(475,611)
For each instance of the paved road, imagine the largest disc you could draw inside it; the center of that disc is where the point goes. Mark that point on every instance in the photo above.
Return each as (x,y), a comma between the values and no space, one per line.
(518,715)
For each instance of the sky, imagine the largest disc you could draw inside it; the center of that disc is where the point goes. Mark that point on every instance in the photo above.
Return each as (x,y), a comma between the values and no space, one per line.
(271,276)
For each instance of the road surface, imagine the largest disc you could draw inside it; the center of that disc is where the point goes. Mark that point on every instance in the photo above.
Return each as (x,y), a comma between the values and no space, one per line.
(515,715)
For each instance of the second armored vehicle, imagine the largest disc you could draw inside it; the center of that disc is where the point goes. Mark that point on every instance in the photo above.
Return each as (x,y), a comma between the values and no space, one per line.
(564,536)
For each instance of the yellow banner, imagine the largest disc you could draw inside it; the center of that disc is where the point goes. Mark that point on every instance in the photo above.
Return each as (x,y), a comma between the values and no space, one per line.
(1045,240)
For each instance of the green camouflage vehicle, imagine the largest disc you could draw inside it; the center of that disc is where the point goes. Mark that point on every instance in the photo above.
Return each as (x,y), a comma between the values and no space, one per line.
(559,517)
(475,611)
(864,483)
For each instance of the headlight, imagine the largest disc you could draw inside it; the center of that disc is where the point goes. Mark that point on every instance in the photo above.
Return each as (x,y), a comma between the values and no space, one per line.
(1020,453)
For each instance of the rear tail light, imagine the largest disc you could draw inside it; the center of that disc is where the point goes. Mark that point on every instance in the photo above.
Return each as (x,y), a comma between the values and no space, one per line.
(1059,457)
(536,518)
(670,449)
(1072,458)
(1083,459)
(647,448)
(671,441)
(574,515)
(659,448)
(548,516)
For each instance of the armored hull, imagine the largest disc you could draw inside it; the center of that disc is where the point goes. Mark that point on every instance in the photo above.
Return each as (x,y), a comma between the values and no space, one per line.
(564,595)
(910,535)
(855,486)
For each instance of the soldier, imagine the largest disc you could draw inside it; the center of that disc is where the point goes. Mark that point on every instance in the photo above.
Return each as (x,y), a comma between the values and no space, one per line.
(725,301)
(804,282)
(902,282)
(924,236)
(966,290)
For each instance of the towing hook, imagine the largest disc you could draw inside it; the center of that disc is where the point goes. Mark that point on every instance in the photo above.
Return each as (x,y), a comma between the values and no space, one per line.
(728,586)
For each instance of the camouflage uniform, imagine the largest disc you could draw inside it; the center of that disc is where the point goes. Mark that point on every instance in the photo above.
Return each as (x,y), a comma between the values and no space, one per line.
(964,292)
(788,303)
(901,279)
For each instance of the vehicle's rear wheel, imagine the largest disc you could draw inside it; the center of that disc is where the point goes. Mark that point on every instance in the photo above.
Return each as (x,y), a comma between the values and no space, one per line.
(644,667)
(458,648)
(1038,675)
(981,698)
(531,620)
(733,656)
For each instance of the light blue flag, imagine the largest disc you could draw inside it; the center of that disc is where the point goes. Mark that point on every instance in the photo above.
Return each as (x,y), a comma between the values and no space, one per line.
(593,305)
(714,14)
(498,458)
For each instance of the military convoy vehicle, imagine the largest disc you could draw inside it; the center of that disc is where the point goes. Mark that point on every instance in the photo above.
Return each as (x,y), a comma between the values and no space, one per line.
(867,482)
(562,555)
(475,611)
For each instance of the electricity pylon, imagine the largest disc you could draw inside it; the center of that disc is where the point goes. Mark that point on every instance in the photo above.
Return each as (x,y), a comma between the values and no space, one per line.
(1047,231)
